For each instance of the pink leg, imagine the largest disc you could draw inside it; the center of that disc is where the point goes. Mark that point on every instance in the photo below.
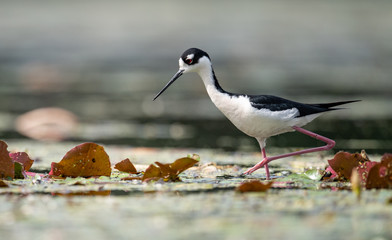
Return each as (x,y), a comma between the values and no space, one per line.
(330,144)
(266,165)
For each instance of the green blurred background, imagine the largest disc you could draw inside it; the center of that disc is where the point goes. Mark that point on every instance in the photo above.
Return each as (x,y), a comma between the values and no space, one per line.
(103,61)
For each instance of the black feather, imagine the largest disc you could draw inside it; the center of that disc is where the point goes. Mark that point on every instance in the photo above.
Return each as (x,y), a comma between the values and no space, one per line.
(274,103)
(333,104)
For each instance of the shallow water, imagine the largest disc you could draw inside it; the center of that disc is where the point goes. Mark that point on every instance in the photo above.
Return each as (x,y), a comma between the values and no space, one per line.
(106,70)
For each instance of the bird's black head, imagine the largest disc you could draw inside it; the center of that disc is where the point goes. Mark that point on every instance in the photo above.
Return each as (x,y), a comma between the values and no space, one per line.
(192,60)
(192,56)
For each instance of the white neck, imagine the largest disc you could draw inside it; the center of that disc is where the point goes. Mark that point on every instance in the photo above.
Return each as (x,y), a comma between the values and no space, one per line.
(206,75)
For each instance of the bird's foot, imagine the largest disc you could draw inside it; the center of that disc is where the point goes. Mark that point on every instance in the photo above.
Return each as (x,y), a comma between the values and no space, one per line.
(259,165)
(249,171)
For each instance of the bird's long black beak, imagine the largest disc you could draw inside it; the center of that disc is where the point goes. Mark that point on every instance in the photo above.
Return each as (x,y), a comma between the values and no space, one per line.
(174,78)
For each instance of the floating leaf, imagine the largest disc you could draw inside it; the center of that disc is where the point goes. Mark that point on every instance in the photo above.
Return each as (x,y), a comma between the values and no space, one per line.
(182,164)
(380,175)
(374,180)
(254,186)
(343,163)
(125,166)
(23,158)
(152,172)
(6,164)
(56,169)
(84,160)
(168,171)
(370,174)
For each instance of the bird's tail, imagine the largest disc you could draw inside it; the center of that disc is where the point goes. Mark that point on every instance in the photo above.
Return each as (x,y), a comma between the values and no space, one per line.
(333,104)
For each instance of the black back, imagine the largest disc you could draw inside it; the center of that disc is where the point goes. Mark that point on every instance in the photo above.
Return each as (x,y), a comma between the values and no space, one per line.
(274,103)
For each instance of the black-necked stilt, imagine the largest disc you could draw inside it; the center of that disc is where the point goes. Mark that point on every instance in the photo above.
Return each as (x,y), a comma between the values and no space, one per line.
(259,116)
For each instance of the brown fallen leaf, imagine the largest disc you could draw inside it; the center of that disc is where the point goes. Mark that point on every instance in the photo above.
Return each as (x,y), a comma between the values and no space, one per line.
(152,171)
(254,186)
(125,166)
(22,158)
(56,169)
(380,175)
(6,164)
(370,174)
(180,165)
(168,171)
(344,162)
(84,160)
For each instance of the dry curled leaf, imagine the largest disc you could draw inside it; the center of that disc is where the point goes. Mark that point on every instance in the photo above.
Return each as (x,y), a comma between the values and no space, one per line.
(84,160)
(168,171)
(125,166)
(152,172)
(22,158)
(254,186)
(344,162)
(380,175)
(182,164)
(370,174)
(6,164)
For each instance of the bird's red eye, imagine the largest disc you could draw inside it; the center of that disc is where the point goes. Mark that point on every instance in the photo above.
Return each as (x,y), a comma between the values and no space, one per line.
(188,60)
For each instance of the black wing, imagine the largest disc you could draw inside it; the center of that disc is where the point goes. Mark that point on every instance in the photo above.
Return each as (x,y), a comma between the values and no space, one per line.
(274,103)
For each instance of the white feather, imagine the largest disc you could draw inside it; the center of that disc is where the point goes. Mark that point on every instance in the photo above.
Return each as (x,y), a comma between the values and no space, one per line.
(258,123)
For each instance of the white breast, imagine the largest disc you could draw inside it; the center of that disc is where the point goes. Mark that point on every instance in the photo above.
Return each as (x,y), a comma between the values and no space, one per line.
(259,123)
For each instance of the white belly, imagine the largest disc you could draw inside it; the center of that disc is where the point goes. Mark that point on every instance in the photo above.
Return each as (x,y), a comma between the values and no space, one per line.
(259,123)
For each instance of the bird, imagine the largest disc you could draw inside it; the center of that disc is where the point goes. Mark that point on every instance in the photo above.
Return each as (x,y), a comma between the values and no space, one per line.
(259,116)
